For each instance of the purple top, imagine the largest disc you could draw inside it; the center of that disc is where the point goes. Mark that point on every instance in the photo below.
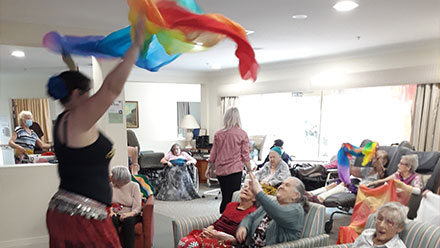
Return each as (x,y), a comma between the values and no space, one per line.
(414,180)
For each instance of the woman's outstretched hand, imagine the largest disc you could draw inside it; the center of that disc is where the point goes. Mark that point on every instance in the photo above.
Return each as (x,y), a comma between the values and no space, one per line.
(254,185)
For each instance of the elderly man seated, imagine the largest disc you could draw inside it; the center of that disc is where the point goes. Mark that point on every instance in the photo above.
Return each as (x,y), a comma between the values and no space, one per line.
(273,172)
(275,221)
(390,221)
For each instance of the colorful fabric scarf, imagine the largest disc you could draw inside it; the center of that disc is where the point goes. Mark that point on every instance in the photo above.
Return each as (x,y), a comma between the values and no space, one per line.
(144,184)
(345,154)
(368,201)
(172,28)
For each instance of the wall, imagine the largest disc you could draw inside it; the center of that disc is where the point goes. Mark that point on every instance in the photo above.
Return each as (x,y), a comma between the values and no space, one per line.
(158,111)
(25,192)
(23,85)
(400,64)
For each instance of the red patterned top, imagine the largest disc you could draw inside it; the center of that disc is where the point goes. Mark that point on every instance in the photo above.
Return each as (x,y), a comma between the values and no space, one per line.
(231,218)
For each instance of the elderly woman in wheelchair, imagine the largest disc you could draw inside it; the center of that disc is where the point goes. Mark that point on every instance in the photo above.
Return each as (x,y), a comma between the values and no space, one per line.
(177,183)
(273,173)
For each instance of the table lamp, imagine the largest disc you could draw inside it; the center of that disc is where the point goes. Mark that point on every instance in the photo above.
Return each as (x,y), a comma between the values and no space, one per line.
(189,122)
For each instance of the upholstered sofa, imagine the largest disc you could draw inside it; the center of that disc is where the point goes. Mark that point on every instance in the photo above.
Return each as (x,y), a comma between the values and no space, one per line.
(415,235)
(312,235)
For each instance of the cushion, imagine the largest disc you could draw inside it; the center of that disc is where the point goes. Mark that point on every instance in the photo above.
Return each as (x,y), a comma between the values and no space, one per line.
(341,199)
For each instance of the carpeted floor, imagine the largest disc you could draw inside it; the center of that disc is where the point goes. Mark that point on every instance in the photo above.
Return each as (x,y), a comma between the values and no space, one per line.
(166,211)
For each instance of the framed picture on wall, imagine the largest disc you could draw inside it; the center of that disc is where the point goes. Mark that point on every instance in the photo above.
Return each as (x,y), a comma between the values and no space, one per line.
(132,114)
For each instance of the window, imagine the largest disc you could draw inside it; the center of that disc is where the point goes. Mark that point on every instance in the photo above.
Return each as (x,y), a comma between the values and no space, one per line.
(292,117)
(382,114)
(313,125)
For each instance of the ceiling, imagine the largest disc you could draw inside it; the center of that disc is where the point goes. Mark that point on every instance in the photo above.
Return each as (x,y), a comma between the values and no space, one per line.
(278,37)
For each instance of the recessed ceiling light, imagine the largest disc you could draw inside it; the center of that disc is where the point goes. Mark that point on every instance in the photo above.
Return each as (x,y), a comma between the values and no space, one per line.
(299,17)
(248,32)
(18,54)
(199,43)
(344,6)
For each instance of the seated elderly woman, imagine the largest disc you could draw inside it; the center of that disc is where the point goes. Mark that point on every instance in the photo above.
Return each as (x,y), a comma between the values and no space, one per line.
(24,139)
(273,172)
(406,173)
(390,221)
(126,204)
(365,174)
(274,221)
(177,183)
(222,232)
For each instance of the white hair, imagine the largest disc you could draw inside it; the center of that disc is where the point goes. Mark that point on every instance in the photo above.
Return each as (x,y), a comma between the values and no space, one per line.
(413,161)
(121,175)
(395,211)
(231,118)
(22,116)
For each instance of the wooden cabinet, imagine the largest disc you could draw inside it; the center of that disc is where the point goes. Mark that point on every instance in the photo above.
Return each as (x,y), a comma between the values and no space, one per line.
(202,166)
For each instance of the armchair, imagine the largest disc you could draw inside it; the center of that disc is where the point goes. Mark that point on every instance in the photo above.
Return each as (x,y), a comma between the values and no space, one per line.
(312,235)
(144,231)
(414,235)
(148,158)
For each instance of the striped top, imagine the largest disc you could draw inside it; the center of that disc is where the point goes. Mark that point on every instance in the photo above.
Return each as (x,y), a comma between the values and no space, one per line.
(24,139)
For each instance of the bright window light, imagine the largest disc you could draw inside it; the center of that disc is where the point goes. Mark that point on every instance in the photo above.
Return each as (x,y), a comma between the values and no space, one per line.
(18,54)
(315,124)
(344,6)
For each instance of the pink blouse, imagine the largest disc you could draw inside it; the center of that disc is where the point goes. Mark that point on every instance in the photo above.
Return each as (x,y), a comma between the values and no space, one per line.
(230,151)
(183,155)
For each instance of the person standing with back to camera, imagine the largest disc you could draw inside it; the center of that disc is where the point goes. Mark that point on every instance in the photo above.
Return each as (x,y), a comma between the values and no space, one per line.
(78,213)
(230,151)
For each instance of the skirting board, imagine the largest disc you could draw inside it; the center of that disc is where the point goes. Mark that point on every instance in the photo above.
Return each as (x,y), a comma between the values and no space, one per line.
(42,241)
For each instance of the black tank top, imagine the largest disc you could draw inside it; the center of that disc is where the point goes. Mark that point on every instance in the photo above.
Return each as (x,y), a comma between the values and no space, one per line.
(84,170)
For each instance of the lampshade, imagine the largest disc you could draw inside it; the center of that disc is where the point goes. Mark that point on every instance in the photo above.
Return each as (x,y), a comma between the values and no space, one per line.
(189,122)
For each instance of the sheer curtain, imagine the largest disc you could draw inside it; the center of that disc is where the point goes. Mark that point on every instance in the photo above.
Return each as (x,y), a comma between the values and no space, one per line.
(425,119)
(227,102)
(40,111)
(182,110)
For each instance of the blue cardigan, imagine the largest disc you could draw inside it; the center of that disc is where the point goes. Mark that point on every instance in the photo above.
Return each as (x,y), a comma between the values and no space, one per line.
(287,220)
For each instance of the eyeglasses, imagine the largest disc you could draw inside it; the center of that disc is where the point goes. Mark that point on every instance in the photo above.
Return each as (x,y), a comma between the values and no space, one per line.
(406,164)
(387,222)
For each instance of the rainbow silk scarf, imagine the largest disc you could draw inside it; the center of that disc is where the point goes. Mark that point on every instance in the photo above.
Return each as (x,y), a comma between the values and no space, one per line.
(171,28)
(346,152)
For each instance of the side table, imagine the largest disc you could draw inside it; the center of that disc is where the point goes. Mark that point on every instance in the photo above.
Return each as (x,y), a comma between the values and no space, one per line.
(202,166)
